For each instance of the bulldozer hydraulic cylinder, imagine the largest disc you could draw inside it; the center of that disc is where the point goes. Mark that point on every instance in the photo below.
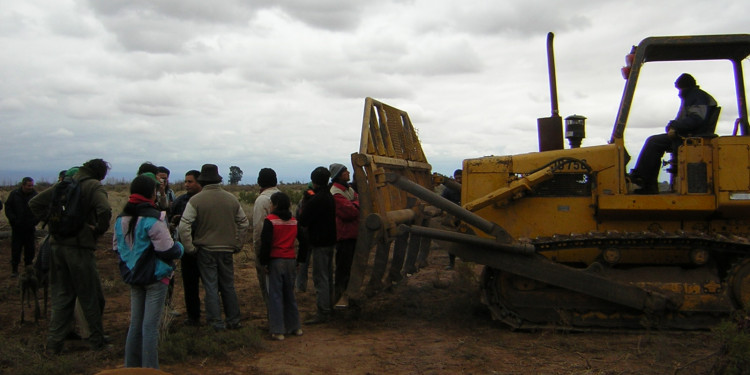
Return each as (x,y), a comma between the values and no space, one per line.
(450,207)
(467,239)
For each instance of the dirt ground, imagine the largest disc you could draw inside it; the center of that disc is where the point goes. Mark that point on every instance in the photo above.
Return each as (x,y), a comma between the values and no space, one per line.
(432,323)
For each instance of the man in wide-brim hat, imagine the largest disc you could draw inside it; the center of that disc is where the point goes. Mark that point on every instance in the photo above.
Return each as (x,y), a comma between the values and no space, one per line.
(220,225)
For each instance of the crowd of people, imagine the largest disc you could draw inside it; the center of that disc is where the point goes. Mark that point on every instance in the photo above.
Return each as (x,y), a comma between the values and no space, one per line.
(202,230)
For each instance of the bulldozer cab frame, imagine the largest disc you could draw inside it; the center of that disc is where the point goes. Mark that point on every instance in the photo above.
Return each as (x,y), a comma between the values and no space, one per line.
(734,48)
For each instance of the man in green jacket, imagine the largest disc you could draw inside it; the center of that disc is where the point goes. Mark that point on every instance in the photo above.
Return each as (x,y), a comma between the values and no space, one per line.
(73,271)
(213,225)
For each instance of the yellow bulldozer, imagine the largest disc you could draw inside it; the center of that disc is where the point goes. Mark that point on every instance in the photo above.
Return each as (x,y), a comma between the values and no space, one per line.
(564,239)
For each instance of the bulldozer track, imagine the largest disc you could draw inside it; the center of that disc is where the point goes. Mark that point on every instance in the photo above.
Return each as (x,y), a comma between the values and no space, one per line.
(735,280)
(714,242)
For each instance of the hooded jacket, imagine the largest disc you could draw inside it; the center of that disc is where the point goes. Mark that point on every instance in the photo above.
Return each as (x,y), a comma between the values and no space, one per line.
(146,256)
(693,113)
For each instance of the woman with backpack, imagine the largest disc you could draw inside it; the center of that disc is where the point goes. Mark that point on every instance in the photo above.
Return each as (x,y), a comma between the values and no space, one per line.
(147,252)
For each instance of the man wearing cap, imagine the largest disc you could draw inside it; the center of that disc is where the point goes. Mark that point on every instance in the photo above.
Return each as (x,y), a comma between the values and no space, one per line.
(161,199)
(347,225)
(262,208)
(220,225)
(692,118)
(73,271)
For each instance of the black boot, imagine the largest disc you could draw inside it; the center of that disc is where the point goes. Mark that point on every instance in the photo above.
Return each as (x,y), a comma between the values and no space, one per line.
(649,188)
(14,270)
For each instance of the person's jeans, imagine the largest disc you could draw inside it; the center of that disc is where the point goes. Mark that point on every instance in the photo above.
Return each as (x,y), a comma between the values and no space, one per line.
(146,306)
(283,316)
(217,274)
(323,277)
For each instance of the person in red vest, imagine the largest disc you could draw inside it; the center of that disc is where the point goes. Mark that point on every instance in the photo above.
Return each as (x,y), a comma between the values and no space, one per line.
(278,258)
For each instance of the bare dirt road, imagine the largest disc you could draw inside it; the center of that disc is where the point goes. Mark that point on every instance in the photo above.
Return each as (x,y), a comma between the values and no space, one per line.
(432,323)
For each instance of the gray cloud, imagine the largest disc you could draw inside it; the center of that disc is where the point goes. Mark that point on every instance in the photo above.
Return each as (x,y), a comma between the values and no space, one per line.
(262,82)
(334,15)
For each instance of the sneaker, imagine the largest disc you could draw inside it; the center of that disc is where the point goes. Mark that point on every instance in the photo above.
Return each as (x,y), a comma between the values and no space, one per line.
(237,325)
(277,337)
(448,268)
(343,303)
(296,332)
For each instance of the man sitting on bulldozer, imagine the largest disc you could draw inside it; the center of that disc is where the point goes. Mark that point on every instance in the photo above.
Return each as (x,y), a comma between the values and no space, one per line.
(694,118)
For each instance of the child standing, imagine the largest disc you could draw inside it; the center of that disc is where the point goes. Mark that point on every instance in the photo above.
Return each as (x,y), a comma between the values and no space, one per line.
(277,256)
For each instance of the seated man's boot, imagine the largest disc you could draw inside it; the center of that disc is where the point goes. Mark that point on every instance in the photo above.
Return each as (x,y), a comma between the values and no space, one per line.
(648,188)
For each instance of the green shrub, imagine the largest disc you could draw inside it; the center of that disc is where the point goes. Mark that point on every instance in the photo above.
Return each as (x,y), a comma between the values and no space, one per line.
(248,197)
(734,353)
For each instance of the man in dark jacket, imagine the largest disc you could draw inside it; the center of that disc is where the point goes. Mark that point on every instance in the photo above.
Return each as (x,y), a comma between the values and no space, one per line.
(22,223)
(692,118)
(73,272)
(319,217)
(191,275)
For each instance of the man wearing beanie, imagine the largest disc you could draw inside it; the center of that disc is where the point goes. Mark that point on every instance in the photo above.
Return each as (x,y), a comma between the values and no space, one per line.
(319,217)
(347,225)
(261,209)
(693,117)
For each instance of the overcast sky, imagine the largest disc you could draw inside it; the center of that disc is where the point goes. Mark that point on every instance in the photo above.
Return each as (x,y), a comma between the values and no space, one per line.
(281,83)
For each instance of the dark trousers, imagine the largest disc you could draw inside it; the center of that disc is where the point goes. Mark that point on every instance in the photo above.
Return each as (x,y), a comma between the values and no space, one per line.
(73,274)
(22,242)
(649,161)
(191,276)
(344,258)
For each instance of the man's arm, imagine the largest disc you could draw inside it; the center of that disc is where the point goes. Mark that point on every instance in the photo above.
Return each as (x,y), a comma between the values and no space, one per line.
(261,209)
(185,228)
(266,241)
(694,118)
(100,204)
(241,221)
(345,209)
(10,210)
(39,205)
(311,207)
